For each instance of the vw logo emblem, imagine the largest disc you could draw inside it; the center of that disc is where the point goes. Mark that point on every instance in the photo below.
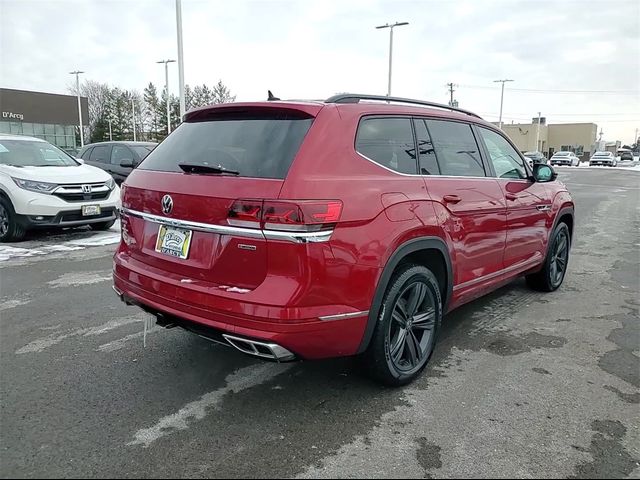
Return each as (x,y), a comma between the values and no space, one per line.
(86,188)
(167,204)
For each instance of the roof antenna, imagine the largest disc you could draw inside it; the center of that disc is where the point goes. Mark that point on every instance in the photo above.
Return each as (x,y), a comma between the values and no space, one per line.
(272,97)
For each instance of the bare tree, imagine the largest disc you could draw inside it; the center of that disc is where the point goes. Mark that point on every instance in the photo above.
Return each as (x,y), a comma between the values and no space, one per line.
(98,95)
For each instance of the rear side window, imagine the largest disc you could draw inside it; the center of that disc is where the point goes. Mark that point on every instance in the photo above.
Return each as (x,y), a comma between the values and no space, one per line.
(388,142)
(456,148)
(426,152)
(258,145)
(100,153)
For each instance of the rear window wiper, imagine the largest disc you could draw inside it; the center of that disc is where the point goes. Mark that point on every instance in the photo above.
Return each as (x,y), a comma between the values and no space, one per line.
(201,168)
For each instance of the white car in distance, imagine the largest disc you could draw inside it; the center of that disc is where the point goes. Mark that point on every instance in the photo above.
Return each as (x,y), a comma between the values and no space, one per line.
(42,186)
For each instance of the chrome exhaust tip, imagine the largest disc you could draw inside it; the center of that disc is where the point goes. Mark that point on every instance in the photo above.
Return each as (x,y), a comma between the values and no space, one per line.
(268,351)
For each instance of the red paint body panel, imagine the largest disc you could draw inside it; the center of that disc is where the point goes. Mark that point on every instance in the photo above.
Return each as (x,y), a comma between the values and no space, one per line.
(277,290)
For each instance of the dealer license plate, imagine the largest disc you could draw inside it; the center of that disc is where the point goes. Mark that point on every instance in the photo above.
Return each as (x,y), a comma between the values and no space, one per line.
(90,210)
(174,241)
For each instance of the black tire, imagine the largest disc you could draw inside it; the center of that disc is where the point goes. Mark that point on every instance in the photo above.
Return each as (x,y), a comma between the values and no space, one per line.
(555,265)
(10,229)
(102,225)
(397,354)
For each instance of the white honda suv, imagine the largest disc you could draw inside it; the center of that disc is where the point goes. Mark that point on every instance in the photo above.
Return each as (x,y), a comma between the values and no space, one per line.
(42,186)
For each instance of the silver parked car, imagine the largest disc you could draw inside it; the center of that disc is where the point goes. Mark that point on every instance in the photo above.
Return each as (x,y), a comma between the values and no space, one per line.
(565,158)
(607,159)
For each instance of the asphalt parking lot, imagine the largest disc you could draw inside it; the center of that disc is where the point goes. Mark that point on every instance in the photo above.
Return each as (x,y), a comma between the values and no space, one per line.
(522,384)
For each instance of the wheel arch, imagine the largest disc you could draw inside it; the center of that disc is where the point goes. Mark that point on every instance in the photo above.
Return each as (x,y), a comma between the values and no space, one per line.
(431,252)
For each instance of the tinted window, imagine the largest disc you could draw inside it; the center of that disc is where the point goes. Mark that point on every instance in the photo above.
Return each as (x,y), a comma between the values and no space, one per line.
(255,145)
(389,142)
(100,153)
(119,153)
(86,153)
(426,152)
(506,161)
(456,148)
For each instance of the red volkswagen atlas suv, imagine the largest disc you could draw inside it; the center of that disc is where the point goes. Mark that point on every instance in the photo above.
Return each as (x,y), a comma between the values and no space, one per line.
(351,226)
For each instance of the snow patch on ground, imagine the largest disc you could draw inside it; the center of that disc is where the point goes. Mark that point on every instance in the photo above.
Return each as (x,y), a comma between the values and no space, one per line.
(43,343)
(9,304)
(80,278)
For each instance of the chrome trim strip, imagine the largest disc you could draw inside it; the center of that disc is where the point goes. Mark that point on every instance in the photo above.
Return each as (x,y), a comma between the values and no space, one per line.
(343,316)
(295,237)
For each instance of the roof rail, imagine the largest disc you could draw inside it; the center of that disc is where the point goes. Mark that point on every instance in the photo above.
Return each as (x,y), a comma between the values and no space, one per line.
(355,98)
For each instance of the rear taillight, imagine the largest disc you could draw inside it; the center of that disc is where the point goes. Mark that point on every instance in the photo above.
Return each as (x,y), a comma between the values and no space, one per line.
(245,213)
(302,215)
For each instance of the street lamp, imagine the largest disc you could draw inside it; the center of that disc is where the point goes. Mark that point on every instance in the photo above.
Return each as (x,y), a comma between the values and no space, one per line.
(180,58)
(166,86)
(391,27)
(502,97)
(77,74)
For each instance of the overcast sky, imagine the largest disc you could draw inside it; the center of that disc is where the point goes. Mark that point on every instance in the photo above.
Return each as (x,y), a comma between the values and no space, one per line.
(554,50)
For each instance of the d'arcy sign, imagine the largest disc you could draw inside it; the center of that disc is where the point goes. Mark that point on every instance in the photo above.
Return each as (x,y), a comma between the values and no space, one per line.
(11,115)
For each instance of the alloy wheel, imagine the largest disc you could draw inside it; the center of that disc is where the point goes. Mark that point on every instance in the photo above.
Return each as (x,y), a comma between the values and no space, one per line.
(560,258)
(4,221)
(412,327)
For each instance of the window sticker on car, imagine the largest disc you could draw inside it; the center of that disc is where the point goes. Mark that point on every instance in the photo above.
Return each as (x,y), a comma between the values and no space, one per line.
(3,149)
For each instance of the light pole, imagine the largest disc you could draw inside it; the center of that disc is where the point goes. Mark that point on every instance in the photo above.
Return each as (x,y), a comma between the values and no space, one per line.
(538,132)
(502,97)
(110,134)
(391,27)
(133,116)
(166,86)
(180,58)
(77,74)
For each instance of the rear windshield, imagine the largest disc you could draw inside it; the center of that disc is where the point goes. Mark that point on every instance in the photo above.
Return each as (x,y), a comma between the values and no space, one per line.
(255,145)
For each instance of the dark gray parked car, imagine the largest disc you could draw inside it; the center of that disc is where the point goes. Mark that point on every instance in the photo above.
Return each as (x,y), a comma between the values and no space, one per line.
(117,158)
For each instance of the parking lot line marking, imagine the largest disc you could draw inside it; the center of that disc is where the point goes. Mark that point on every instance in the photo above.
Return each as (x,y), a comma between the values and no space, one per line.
(50,340)
(236,382)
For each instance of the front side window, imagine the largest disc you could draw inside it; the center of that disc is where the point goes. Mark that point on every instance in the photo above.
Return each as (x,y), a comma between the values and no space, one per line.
(100,153)
(120,153)
(505,159)
(388,142)
(456,148)
(426,151)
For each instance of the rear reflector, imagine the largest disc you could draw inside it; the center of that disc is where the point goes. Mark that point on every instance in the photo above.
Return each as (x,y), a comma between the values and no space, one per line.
(303,215)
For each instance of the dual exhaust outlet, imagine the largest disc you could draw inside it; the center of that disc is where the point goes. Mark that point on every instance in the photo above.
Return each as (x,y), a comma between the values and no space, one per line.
(264,350)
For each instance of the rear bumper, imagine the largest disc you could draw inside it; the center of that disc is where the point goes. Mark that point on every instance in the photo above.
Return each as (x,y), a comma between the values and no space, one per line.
(304,335)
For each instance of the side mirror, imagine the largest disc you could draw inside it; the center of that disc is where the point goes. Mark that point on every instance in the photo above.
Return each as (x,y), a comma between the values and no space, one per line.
(543,173)
(80,161)
(127,163)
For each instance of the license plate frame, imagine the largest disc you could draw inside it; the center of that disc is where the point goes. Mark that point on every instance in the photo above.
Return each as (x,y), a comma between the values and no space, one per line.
(174,242)
(91,210)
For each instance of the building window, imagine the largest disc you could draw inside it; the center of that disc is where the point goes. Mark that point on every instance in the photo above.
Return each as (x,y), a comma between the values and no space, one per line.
(16,128)
(27,128)
(5,127)
(38,129)
(49,129)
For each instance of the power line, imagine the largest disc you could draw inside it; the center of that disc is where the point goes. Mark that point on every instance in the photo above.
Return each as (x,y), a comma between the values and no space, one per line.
(533,90)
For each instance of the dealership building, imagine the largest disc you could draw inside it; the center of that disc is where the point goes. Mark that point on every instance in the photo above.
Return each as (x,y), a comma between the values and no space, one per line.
(49,116)
(579,138)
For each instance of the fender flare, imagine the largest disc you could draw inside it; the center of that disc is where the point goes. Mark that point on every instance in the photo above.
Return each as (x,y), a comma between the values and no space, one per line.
(563,211)
(407,248)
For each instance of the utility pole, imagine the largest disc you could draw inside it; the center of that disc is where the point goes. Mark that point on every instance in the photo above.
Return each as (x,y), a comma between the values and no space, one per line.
(180,58)
(133,111)
(452,103)
(538,133)
(502,97)
(166,86)
(77,74)
(391,27)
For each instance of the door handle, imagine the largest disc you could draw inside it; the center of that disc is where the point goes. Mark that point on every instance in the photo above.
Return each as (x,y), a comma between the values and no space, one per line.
(452,198)
(511,196)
